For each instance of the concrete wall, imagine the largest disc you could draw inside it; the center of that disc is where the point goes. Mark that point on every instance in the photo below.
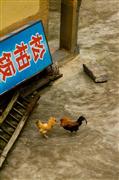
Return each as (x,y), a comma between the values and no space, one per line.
(16,13)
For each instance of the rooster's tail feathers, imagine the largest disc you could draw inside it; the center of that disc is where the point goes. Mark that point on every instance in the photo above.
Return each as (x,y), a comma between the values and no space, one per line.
(81,118)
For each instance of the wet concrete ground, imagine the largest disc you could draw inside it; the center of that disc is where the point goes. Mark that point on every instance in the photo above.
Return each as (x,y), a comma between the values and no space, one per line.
(92,153)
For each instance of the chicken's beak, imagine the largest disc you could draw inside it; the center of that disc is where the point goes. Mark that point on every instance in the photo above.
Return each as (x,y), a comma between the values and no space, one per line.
(37,122)
(57,122)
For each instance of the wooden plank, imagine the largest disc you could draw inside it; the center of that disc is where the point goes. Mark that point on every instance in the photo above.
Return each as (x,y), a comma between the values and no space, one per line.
(33,86)
(18,130)
(9,107)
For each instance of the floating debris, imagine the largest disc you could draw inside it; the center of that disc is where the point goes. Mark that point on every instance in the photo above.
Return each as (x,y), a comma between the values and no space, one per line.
(96,72)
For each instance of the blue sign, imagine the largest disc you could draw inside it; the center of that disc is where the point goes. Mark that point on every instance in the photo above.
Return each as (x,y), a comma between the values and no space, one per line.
(23,55)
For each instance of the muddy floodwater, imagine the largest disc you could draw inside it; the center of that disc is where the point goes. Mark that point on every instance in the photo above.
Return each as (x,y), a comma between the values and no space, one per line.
(93,152)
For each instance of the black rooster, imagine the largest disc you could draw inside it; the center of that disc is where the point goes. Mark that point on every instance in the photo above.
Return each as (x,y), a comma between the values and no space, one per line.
(71,125)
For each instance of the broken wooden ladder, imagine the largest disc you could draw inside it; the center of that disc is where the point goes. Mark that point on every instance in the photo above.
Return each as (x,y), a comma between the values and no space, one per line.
(14,120)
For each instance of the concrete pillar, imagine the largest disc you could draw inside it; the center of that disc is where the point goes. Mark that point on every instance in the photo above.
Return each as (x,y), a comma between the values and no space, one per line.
(69,25)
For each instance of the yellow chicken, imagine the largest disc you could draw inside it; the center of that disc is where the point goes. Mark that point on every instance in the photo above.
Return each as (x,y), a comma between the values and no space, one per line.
(45,127)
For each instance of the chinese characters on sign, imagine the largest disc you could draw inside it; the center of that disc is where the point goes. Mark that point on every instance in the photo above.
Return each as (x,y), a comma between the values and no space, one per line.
(22,55)
(6,66)
(22,58)
(38,48)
